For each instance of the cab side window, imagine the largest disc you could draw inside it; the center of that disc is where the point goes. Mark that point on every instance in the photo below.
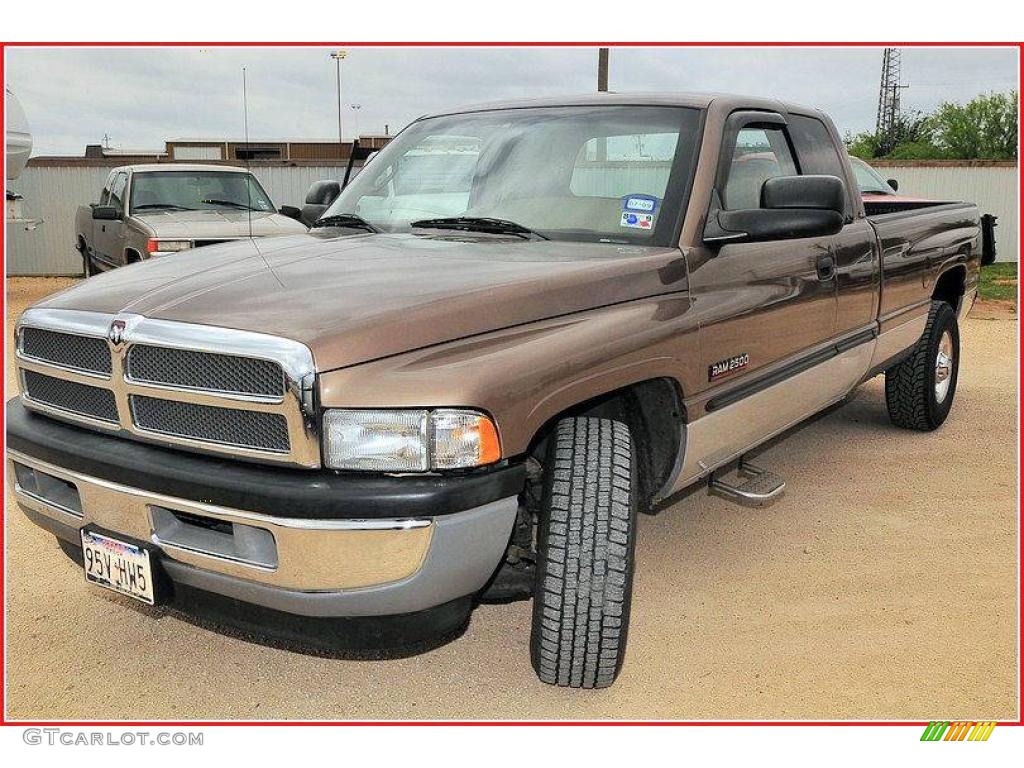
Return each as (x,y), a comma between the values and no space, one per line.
(816,150)
(117,191)
(761,153)
(105,194)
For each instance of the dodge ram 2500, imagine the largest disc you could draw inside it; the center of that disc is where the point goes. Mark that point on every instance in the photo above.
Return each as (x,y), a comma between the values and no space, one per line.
(522,325)
(145,211)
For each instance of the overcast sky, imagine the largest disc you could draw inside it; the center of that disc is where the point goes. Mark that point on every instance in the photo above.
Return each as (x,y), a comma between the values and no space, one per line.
(141,97)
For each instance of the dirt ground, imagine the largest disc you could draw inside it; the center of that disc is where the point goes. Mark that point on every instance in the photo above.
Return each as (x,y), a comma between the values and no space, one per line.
(882,586)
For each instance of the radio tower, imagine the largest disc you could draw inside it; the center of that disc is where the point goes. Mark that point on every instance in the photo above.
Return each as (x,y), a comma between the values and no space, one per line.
(887,122)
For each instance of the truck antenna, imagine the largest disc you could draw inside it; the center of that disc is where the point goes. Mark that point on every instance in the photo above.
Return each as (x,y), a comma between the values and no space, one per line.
(248,176)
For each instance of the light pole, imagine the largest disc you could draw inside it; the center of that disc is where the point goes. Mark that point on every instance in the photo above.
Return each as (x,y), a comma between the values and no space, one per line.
(355,113)
(338,56)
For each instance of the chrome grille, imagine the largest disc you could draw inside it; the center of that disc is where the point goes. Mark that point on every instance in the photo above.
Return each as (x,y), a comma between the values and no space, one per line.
(205,370)
(252,398)
(226,426)
(94,402)
(66,349)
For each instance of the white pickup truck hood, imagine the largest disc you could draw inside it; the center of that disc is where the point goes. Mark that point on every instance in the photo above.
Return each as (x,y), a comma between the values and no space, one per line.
(221,224)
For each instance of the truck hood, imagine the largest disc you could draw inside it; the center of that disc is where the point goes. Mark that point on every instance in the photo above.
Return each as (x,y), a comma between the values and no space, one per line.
(216,224)
(356,298)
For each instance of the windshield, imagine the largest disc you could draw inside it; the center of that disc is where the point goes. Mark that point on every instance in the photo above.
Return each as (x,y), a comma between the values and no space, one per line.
(197,190)
(598,174)
(868,179)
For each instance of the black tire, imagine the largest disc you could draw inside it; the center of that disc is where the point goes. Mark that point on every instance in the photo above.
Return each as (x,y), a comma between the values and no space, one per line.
(88,267)
(585,554)
(910,386)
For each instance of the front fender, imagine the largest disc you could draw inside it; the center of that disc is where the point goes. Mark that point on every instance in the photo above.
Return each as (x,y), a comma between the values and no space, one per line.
(525,376)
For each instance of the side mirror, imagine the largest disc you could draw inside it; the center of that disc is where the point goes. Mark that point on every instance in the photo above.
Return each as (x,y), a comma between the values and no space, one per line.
(318,199)
(791,207)
(106,213)
(894,184)
(290,211)
(323,193)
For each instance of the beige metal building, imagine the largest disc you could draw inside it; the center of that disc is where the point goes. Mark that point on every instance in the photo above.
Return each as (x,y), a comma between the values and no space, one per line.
(228,149)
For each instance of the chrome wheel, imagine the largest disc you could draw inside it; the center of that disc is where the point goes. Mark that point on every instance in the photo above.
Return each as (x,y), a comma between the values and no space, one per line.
(943,367)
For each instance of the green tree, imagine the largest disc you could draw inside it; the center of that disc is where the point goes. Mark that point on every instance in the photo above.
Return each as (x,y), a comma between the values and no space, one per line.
(863,145)
(984,128)
(911,138)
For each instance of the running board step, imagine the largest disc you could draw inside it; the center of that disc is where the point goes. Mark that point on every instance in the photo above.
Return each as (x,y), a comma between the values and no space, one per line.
(759,487)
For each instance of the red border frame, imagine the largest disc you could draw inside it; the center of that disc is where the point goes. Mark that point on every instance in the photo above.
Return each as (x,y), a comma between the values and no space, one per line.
(506,44)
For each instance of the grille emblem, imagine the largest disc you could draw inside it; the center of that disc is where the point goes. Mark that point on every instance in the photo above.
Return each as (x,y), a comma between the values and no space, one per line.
(116,332)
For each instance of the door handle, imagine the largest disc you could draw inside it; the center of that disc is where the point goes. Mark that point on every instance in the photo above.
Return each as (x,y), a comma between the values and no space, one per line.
(826,266)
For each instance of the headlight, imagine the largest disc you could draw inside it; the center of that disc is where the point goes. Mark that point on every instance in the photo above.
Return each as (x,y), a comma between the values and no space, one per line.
(408,440)
(153,245)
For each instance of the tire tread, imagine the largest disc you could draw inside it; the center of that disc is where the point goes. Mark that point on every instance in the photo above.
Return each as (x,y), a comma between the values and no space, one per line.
(908,383)
(585,569)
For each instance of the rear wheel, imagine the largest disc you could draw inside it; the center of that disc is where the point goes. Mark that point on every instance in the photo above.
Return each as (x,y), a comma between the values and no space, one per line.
(585,555)
(919,391)
(88,267)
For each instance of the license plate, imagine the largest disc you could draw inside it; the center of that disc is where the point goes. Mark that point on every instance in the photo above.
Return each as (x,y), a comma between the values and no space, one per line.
(118,565)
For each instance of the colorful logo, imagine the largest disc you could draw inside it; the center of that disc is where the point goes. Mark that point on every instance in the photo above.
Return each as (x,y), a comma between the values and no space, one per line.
(943,730)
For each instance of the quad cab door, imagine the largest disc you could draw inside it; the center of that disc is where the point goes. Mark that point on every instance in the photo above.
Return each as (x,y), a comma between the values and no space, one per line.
(762,303)
(108,236)
(767,311)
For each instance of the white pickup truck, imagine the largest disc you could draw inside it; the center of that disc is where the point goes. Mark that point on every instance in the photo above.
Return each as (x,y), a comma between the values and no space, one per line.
(152,210)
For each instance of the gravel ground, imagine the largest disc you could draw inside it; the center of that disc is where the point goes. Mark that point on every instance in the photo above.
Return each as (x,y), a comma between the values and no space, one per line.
(883,585)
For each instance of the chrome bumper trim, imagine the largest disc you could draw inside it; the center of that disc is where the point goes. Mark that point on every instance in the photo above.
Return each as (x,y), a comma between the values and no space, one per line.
(372,567)
(310,554)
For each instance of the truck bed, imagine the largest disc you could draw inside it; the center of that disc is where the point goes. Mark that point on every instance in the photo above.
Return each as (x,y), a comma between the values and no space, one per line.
(918,241)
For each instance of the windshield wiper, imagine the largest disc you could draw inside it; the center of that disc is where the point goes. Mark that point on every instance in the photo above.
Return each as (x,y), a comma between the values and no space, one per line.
(164,206)
(479,224)
(345,220)
(232,204)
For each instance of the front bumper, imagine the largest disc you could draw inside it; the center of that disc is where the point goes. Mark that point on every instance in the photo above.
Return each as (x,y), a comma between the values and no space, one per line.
(312,554)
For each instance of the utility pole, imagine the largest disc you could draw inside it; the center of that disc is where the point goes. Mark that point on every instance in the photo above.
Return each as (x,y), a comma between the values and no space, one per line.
(338,56)
(602,87)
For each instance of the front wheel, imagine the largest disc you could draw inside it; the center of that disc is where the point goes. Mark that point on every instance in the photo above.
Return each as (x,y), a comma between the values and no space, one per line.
(585,554)
(88,267)
(919,391)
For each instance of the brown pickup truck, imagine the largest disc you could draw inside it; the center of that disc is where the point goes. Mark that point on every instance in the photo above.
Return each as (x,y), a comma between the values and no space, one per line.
(520,326)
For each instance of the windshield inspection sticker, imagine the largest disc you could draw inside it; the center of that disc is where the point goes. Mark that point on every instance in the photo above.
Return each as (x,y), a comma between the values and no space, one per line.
(638,211)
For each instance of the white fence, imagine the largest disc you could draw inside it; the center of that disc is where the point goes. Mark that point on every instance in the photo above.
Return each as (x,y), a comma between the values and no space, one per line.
(53,194)
(993,187)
